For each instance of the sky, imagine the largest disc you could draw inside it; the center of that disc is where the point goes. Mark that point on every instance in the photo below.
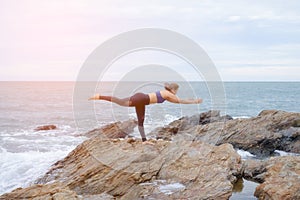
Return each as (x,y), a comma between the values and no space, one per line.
(248,40)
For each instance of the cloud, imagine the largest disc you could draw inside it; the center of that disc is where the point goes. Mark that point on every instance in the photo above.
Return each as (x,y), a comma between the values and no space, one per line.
(234,18)
(235,33)
(263,73)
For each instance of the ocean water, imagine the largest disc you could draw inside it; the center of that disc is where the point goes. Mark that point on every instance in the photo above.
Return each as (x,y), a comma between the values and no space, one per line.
(25,154)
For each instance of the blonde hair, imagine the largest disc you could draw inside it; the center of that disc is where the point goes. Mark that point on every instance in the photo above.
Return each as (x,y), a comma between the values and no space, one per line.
(171,86)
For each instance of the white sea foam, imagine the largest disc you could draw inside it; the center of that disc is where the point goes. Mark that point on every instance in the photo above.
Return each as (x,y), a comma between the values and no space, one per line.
(245,154)
(22,169)
(170,118)
(248,155)
(284,153)
(24,156)
(241,117)
(164,187)
(171,188)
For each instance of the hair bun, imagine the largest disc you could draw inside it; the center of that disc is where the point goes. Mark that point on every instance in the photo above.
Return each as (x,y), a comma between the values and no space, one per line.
(167,85)
(171,86)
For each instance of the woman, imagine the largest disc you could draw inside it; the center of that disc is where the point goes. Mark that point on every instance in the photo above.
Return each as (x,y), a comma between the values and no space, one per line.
(140,100)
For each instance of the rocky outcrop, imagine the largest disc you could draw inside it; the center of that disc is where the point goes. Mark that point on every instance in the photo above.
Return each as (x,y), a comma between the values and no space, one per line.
(114,130)
(45,128)
(271,130)
(263,134)
(280,177)
(130,169)
(195,161)
(186,123)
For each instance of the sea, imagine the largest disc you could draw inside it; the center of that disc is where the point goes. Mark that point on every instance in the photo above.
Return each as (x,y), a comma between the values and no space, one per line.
(27,154)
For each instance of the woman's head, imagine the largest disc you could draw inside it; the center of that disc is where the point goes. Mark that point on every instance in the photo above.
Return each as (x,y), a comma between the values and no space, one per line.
(172,87)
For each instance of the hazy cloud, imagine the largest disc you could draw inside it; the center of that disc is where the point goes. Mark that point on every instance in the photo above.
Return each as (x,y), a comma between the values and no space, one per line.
(240,36)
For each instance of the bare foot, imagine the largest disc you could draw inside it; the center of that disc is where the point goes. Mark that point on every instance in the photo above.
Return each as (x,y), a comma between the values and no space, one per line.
(96,97)
(148,142)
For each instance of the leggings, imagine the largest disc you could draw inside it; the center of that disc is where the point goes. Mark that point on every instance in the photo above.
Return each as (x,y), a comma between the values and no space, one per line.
(139,101)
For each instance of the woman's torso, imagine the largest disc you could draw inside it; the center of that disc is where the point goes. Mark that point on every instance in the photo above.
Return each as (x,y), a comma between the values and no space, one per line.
(153,96)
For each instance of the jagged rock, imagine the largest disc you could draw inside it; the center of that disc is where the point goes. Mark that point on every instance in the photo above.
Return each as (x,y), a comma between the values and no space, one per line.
(120,167)
(56,191)
(254,170)
(280,177)
(166,132)
(264,134)
(213,116)
(185,123)
(271,130)
(45,128)
(114,130)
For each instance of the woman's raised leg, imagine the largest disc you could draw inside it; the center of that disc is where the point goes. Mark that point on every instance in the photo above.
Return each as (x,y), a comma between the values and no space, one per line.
(121,102)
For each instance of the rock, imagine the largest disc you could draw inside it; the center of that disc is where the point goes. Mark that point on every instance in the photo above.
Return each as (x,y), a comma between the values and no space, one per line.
(264,134)
(261,135)
(166,132)
(56,191)
(114,130)
(213,116)
(189,166)
(280,177)
(198,172)
(254,170)
(121,167)
(185,123)
(45,128)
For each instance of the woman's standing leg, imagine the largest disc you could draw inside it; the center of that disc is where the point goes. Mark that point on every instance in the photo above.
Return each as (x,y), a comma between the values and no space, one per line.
(140,112)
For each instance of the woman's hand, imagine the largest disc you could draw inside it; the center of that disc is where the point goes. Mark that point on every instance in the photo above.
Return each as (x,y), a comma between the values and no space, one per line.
(198,101)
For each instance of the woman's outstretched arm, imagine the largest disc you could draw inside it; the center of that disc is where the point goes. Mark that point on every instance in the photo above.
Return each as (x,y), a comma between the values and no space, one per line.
(174,99)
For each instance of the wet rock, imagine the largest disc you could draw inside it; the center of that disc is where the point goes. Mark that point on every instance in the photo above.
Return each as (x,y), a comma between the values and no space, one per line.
(254,170)
(45,128)
(280,177)
(114,130)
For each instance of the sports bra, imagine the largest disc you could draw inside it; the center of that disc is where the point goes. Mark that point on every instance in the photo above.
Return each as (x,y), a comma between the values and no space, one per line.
(160,99)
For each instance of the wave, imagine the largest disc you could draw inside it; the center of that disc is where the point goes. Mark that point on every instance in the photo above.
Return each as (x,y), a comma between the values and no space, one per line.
(23,168)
